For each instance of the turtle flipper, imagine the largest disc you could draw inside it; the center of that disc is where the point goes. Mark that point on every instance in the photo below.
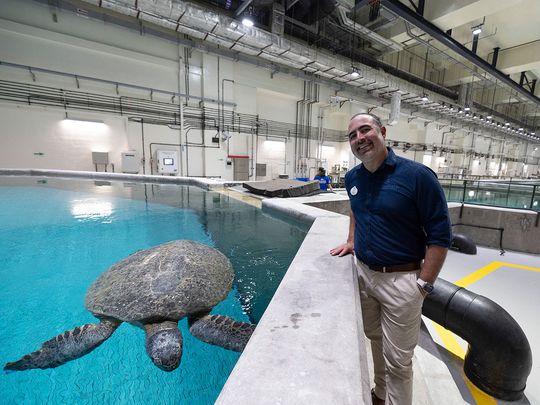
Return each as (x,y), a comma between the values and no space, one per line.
(221,331)
(67,346)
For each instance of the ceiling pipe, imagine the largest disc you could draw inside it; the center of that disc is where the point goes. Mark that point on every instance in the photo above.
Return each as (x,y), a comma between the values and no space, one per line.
(407,14)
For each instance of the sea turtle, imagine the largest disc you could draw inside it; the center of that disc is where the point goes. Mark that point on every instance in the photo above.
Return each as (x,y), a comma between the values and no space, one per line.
(153,289)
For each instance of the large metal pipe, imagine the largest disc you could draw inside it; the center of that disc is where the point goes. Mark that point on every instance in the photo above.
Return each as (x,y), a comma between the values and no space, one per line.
(499,358)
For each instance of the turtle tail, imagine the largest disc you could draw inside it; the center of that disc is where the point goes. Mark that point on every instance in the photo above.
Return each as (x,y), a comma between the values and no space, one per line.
(222,331)
(67,346)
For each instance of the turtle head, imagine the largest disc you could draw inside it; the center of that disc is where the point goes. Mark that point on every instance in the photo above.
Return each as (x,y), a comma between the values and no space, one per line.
(164,344)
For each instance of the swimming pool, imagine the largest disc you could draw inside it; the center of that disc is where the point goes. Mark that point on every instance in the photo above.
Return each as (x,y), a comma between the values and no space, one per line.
(58,235)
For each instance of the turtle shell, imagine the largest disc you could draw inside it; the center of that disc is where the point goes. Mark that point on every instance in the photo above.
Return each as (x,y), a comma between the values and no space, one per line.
(166,282)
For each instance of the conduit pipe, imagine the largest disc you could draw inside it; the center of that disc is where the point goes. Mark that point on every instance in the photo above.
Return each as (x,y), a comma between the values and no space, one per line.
(499,358)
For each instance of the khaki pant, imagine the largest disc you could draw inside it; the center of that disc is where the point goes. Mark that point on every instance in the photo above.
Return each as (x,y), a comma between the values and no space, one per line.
(391,311)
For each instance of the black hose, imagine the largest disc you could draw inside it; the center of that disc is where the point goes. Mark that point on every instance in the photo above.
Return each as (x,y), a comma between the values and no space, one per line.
(499,358)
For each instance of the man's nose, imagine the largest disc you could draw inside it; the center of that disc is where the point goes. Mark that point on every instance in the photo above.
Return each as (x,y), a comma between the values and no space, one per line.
(359,136)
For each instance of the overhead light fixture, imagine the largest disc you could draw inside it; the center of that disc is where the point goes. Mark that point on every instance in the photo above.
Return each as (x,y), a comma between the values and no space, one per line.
(467,108)
(247,21)
(489,117)
(354,72)
(75,120)
(477,29)
(425,98)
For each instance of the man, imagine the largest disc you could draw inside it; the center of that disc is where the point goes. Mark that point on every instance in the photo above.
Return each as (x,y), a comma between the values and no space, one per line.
(399,233)
(325,182)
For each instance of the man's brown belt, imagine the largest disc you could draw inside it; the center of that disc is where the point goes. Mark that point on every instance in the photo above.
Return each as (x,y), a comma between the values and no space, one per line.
(396,268)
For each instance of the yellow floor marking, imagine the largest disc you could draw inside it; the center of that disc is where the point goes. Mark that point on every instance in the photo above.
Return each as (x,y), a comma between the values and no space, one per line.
(452,345)
(479,396)
(478,274)
(449,339)
(241,197)
(484,271)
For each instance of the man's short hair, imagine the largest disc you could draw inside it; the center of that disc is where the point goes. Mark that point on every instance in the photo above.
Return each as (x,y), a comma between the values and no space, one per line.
(376,118)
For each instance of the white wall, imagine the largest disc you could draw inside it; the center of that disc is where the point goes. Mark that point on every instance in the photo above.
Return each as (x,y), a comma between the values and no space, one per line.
(34,137)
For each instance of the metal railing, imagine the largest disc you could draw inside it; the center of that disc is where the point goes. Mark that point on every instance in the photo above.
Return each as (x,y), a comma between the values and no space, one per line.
(508,194)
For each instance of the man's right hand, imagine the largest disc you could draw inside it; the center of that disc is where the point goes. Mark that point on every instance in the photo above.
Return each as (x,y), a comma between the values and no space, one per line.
(342,250)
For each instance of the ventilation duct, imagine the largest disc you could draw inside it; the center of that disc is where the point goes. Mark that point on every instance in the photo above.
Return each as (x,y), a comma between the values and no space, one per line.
(464,95)
(395,108)
(358,29)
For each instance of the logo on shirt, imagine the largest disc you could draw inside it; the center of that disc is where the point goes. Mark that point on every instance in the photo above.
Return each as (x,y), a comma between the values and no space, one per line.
(354,191)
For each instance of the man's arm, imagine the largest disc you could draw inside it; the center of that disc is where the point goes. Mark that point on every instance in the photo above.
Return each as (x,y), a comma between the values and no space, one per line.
(347,247)
(433,262)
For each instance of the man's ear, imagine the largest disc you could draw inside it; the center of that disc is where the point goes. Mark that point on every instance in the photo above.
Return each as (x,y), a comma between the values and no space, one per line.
(383,132)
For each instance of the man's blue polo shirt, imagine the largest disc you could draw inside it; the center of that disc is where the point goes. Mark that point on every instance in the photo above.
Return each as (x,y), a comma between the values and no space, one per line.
(398,210)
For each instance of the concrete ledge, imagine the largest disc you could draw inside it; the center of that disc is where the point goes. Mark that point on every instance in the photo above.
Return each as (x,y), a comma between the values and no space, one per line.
(308,347)
(205,183)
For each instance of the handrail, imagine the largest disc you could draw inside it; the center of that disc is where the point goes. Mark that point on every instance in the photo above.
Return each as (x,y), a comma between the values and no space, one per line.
(503,193)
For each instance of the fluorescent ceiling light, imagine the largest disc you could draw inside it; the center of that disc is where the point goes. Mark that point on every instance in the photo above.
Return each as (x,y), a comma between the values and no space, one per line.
(83,120)
(248,22)
(489,117)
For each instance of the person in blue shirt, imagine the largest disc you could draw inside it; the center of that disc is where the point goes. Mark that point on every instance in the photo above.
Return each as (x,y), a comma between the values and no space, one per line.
(399,233)
(324,181)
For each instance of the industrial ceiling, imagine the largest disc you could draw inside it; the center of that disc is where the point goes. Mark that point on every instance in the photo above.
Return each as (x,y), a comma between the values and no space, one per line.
(422,51)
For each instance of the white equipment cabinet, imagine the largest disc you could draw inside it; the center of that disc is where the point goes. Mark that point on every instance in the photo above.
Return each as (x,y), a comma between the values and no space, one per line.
(130,162)
(167,161)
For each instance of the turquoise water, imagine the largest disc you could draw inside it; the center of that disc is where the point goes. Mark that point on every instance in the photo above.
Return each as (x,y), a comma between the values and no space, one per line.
(57,237)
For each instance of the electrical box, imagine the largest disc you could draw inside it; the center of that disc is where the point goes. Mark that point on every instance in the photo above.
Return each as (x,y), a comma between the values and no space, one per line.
(100,158)
(167,161)
(130,162)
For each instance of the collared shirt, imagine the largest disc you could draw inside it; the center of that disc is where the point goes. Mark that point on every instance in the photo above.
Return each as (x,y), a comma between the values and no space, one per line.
(324,181)
(399,210)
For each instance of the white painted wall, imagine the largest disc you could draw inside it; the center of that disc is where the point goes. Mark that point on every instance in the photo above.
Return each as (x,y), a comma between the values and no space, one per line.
(35,137)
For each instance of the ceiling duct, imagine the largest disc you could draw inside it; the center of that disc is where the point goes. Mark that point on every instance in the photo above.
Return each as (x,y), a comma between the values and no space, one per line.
(357,29)
(464,95)
(395,108)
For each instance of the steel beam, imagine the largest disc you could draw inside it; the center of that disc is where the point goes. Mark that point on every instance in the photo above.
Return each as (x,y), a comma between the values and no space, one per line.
(409,15)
